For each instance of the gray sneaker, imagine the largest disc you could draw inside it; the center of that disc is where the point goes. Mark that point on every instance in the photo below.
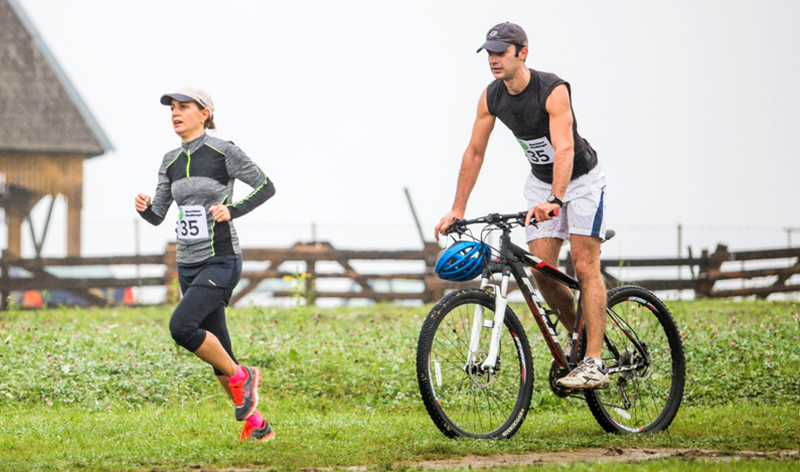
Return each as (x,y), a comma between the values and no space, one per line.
(245,393)
(264,433)
(587,375)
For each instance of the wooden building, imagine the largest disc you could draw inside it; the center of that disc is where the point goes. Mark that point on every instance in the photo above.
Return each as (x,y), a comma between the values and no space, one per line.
(46,132)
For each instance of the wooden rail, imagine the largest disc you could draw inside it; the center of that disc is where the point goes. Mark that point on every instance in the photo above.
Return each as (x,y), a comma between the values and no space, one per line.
(705,271)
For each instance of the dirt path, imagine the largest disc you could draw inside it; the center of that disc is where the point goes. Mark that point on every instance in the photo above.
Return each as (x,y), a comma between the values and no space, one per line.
(598,455)
(632,454)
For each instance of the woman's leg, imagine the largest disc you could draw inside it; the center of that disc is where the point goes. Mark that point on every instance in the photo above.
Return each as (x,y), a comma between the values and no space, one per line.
(212,352)
(216,324)
(197,304)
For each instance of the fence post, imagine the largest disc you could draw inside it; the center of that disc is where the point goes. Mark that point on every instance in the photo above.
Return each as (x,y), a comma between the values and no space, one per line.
(311,282)
(171,274)
(568,265)
(434,286)
(3,276)
(709,270)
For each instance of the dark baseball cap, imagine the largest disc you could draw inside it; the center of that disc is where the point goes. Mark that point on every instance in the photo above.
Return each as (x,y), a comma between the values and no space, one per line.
(501,36)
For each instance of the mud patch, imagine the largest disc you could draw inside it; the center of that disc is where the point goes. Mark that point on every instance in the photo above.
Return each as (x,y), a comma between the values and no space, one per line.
(609,454)
(612,453)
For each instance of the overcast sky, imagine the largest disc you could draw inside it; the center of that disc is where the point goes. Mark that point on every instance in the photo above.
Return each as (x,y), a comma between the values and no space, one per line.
(693,106)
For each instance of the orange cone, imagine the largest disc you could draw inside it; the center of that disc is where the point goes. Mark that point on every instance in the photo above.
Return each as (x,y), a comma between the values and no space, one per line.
(127,297)
(32,299)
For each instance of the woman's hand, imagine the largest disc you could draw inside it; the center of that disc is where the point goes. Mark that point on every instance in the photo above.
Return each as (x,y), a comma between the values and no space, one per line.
(142,202)
(220,213)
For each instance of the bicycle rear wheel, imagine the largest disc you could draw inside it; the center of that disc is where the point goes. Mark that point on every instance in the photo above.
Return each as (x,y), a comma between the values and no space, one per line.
(461,399)
(644,352)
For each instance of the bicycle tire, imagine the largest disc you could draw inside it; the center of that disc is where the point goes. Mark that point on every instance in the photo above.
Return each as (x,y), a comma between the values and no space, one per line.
(456,400)
(654,392)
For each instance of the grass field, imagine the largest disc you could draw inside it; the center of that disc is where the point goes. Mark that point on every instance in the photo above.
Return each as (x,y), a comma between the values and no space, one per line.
(108,389)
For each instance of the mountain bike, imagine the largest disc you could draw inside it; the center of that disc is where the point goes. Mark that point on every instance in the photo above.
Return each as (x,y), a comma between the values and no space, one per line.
(474,364)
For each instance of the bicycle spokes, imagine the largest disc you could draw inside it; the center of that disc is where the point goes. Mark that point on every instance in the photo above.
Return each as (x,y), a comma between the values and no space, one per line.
(462,395)
(643,351)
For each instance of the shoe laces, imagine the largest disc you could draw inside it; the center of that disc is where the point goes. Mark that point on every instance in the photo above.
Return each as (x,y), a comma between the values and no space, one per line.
(583,366)
(237,391)
(247,431)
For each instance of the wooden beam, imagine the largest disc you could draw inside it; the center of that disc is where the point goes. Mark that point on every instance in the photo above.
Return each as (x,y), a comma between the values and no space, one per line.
(783,274)
(74,206)
(757,291)
(76,285)
(765,254)
(14,217)
(84,261)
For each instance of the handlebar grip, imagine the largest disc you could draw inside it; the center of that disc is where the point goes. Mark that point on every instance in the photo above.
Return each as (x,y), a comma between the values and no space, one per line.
(555,212)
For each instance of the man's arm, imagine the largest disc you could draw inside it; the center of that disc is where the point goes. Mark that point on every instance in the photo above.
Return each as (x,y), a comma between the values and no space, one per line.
(470,164)
(560,111)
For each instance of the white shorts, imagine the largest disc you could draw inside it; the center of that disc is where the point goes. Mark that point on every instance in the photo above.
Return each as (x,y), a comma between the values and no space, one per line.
(583,212)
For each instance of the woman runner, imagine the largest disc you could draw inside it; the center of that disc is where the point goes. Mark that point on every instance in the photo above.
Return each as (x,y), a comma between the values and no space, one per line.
(199,177)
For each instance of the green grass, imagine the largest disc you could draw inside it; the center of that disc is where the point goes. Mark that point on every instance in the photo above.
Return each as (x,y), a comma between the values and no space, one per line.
(107,389)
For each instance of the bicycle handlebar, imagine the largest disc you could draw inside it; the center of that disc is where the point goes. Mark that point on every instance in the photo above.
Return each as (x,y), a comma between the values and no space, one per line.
(490,219)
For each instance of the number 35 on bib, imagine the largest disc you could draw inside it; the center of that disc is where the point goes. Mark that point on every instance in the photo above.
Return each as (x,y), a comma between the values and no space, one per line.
(192,222)
(538,151)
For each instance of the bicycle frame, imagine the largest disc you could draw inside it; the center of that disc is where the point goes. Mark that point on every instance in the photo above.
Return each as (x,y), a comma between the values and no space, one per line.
(509,262)
(479,383)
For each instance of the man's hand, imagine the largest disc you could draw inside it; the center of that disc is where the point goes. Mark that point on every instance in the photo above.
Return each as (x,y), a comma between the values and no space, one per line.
(142,202)
(220,213)
(542,212)
(445,222)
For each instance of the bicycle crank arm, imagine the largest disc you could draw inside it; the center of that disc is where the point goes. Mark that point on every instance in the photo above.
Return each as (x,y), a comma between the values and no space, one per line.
(627,368)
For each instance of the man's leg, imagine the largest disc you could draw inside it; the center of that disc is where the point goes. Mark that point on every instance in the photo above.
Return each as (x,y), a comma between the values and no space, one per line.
(586,258)
(589,373)
(557,296)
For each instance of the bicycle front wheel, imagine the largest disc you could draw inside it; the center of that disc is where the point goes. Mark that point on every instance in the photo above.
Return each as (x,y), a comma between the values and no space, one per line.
(462,399)
(644,353)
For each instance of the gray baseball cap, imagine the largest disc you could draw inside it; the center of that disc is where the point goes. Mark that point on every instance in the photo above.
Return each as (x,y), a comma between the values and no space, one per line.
(190,94)
(501,36)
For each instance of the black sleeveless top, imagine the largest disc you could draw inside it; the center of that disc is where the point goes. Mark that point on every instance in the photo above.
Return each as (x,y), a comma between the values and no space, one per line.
(526,116)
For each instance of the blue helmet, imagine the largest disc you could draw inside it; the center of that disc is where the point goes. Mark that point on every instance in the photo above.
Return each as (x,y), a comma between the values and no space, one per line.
(462,261)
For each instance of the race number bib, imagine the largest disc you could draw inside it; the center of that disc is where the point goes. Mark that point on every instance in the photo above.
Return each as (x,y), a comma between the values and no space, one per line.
(538,151)
(192,223)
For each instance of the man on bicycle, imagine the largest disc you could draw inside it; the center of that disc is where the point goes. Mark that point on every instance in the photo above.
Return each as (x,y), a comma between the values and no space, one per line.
(565,188)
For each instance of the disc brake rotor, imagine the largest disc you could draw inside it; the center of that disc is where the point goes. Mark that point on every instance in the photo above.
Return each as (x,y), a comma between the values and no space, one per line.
(478,376)
(629,357)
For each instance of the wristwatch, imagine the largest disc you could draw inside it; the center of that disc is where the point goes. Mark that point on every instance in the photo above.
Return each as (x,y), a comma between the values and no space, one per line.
(553,199)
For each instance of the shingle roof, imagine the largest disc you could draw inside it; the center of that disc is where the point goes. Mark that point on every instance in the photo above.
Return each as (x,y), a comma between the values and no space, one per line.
(40,111)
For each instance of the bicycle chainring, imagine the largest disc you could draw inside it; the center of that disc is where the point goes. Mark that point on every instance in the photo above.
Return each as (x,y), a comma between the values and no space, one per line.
(556,373)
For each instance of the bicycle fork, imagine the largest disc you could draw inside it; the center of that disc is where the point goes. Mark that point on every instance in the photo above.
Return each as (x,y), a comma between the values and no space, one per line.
(478,323)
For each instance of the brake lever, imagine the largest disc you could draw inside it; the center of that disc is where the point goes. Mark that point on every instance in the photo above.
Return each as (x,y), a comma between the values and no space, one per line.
(456,227)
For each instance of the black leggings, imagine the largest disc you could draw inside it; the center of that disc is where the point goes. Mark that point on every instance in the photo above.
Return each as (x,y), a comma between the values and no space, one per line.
(207,288)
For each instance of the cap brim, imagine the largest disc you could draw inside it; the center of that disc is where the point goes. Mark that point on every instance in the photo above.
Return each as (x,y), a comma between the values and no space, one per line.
(167,98)
(494,46)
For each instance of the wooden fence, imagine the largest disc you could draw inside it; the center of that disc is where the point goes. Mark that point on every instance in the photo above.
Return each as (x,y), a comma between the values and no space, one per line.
(705,271)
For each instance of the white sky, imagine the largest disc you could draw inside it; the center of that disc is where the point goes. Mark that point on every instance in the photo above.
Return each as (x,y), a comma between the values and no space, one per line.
(693,107)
